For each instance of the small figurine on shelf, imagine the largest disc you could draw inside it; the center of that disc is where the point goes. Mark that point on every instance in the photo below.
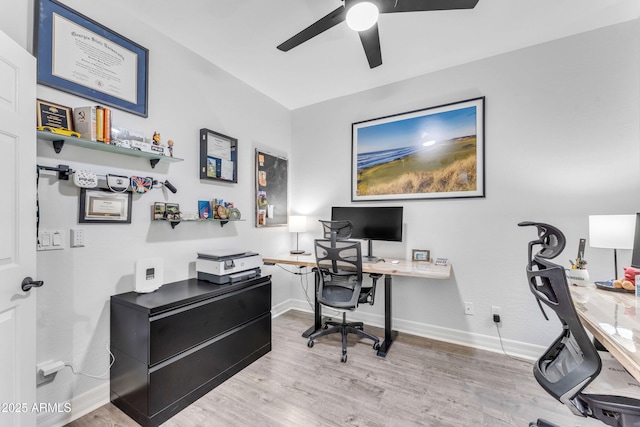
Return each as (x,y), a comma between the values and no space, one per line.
(156,138)
(170,146)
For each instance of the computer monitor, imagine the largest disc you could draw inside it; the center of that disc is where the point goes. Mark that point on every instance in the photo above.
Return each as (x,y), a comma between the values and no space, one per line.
(372,223)
(635,254)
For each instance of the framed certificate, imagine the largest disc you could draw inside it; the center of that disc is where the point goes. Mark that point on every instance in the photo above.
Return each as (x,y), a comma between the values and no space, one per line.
(78,55)
(218,156)
(104,206)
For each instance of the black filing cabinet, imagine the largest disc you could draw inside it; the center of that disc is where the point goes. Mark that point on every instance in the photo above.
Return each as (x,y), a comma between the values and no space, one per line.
(174,345)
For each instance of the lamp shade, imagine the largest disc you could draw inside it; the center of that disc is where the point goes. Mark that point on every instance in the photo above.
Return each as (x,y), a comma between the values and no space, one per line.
(612,231)
(362,16)
(297,223)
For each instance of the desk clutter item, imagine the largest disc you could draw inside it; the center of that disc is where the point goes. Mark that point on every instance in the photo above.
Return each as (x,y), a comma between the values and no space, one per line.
(442,261)
(608,286)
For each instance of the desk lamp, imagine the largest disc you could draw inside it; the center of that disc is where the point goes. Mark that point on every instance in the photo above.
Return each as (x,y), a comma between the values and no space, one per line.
(297,224)
(612,232)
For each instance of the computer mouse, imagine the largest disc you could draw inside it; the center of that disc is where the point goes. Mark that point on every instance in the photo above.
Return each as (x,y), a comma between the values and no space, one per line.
(395,261)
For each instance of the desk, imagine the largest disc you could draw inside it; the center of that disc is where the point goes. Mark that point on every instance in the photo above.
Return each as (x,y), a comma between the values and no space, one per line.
(402,268)
(614,319)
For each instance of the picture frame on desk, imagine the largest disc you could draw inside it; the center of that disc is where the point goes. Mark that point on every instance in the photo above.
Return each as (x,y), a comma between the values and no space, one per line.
(421,255)
(433,153)
(78,55)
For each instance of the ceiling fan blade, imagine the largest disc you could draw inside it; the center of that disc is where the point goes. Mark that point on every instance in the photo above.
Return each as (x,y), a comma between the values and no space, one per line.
(371,43)
(393,6)
(320,26)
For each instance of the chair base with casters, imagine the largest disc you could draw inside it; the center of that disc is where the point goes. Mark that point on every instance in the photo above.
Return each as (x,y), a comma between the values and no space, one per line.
(344,328)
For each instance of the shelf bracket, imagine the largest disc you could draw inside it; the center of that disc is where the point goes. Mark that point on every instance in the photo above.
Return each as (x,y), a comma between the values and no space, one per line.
(57,145)
(174,223)
(222,223)
(153,162)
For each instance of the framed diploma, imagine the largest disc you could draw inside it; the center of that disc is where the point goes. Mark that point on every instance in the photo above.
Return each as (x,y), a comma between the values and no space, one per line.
(54,115)
(218,156)
(104,206)
(78,55)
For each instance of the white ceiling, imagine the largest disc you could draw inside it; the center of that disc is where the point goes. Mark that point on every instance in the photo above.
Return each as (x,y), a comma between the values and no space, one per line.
(240,37)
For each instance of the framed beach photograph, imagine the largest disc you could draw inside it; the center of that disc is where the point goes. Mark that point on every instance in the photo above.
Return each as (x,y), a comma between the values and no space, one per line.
(104,206)
(78,55)
(433,153)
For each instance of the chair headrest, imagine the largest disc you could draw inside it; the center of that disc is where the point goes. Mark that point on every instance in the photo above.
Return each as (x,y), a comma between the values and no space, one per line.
(551,240)
(341,229)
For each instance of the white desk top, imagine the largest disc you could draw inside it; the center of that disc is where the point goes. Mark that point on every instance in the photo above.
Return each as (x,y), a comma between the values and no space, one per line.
(404,267)
(614,319)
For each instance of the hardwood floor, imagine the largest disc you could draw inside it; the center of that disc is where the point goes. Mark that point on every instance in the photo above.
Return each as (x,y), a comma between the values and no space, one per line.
(421,382)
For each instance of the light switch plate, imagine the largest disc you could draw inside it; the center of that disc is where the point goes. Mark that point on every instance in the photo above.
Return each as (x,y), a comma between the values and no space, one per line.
(50,240)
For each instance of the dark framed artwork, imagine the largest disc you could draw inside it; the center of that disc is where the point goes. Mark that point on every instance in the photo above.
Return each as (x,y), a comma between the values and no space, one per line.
(78,55)
(218,156)
(104,206)
(271,189)
(433,153)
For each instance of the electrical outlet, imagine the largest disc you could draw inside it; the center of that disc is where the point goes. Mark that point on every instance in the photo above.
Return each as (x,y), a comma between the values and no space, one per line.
(468,308)
(77,238)
(495,313)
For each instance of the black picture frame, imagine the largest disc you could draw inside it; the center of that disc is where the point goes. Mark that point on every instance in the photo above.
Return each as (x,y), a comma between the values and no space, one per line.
(218,156)
(432,153)
(78,55)
(98,205)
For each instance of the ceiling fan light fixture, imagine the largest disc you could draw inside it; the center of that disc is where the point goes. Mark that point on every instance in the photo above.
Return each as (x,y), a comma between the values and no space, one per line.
(362,16)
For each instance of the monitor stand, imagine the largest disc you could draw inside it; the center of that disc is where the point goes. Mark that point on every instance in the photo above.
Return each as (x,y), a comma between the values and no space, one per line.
(369,257)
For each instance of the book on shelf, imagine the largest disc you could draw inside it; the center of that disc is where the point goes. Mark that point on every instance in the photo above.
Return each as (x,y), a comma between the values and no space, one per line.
(84,122)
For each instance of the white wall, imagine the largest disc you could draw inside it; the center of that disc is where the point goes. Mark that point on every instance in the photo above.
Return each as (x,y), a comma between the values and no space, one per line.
(186,93)
(561,143)
(562,128)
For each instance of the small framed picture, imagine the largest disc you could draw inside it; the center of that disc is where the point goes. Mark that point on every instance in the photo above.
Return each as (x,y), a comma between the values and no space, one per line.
(159,211)
(172,211)
(421,255)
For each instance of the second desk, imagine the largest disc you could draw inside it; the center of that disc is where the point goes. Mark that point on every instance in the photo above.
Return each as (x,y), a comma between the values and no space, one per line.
(417,269)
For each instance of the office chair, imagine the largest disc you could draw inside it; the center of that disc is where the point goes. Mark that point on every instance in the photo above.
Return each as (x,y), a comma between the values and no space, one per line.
(339,274)
(568,368)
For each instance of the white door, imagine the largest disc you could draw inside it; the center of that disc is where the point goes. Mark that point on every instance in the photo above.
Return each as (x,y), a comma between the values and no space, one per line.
(17,234)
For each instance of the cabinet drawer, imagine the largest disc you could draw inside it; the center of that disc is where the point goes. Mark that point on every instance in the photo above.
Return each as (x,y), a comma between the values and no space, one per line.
(174,332)
(208,366)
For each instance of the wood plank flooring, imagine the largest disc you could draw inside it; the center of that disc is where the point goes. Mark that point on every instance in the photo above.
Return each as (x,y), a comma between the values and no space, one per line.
(421,382)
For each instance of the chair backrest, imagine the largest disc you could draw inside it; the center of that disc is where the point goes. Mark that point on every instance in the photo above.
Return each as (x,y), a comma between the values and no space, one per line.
(337,230)
(339,264)
(572,361)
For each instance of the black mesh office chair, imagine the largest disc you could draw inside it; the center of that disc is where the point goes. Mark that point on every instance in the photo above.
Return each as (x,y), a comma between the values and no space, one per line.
(568,368)
(339,271)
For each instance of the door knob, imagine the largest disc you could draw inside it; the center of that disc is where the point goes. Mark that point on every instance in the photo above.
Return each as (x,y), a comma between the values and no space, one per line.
(29,283)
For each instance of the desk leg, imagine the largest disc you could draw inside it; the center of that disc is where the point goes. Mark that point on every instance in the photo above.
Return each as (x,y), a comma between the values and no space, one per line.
(317,309)
(389,334)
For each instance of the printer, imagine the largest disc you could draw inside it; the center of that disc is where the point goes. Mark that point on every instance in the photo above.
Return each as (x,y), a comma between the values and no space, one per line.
(228,266)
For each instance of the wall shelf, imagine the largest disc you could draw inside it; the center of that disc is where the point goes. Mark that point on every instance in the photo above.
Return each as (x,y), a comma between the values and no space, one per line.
(221,221)
(58,142)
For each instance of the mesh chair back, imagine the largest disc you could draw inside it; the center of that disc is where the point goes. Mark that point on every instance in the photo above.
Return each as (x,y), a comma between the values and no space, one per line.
(572,361)
(340,267)
(340,230)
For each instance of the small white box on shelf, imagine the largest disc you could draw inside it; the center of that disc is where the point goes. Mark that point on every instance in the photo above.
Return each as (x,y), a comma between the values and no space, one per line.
(84,121)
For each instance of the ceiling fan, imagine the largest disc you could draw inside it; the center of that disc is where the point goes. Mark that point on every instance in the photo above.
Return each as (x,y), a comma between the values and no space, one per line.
(356,10)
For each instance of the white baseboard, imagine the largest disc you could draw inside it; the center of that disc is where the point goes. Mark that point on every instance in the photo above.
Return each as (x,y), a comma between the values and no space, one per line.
(80,405)
(484,342)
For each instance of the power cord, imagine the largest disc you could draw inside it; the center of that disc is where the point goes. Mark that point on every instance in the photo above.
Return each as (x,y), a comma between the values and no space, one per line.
(102,376)
(496,322)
